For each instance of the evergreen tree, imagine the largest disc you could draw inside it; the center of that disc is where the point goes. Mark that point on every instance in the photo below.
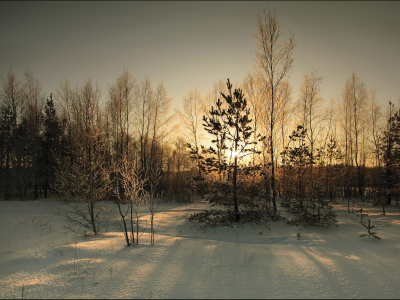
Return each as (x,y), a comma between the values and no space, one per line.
(390,144)
(6,148)
(297,159)
(229,124)
(51,144)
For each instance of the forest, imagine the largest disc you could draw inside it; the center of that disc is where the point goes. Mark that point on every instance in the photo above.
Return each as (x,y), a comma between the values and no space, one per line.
(253,189)
(248,145)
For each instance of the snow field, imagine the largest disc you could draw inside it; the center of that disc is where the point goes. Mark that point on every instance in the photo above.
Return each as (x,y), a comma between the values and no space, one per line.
(41,259)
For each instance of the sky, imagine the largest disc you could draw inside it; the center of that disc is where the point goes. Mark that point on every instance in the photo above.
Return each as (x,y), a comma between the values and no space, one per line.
(191,44)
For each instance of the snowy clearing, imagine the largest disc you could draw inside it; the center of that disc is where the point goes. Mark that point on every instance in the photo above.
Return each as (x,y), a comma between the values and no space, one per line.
(41,259)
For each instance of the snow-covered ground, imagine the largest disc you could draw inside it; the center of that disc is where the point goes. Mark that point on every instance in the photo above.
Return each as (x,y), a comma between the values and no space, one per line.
(41,259)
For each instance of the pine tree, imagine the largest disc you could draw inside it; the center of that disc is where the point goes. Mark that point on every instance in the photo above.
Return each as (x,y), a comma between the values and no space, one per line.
(298,158)
(390,143)
(229,124)
(6,148)
(51,144)
(369,227)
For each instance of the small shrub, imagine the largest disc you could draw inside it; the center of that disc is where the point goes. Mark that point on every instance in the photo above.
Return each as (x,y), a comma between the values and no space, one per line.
(369,227)
(360,215)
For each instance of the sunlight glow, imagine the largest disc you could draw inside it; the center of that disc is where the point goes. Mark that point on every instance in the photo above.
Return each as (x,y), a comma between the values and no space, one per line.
(232,153)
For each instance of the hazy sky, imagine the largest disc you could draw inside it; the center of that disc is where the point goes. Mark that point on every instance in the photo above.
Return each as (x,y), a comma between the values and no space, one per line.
(192,44)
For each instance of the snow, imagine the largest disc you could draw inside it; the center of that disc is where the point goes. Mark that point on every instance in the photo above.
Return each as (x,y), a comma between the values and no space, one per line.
(39,258)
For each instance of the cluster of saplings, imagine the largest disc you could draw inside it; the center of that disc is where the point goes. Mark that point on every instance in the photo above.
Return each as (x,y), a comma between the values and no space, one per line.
(309,169)
(244,189)
(83,189)
(306,184)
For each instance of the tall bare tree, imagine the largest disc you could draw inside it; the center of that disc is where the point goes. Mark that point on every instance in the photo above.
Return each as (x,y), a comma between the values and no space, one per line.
(354,98)
(273,64)
(191,119)
(159,121)
(375,116)
(143,111)
(252,89)
(130,196)
(122,97)
(313,117)
(83,180)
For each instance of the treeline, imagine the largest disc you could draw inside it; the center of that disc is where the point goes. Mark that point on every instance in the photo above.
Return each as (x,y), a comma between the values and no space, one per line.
(40,136)
(312,148)
(345,148)
(342,149)
(304,148)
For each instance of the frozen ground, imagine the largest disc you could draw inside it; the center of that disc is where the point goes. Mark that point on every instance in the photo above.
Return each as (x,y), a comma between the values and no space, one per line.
(40,259)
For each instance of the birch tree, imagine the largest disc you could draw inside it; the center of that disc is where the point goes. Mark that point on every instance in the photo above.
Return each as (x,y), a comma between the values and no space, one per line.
(191,120)
(122,97)
(354,98)
(273,65)
(143,111)
(84,180)
(312,116)
(159,121)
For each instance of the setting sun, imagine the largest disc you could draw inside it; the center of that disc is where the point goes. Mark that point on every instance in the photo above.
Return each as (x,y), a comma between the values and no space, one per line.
(232,153)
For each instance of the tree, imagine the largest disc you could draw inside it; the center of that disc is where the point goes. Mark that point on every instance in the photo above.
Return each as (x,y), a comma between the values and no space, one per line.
(67,98)
(391,154)
(33,101)
(312,117)
(252,89)
(297,159)
(122,97)
(11,116)
(191,120)
(143,110)
(84,179)
(230,125)
(375,117)
(273,64)
(129,192)
(354,98)
(51,144)
(154,199)
(159,119)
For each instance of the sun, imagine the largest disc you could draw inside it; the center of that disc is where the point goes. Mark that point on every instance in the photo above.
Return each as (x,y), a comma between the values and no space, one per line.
(232,153)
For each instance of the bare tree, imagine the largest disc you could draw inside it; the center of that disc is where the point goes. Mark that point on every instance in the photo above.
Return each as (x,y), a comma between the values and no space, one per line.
(252,89)
(191,119)
(159,121)
(312,117)
(376,125)
(354,98)
(144,104)
(122,97)
(130,193)
(273,64)
(84,179)
(212,97)
(66,98)
(153,200)
(11,96)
